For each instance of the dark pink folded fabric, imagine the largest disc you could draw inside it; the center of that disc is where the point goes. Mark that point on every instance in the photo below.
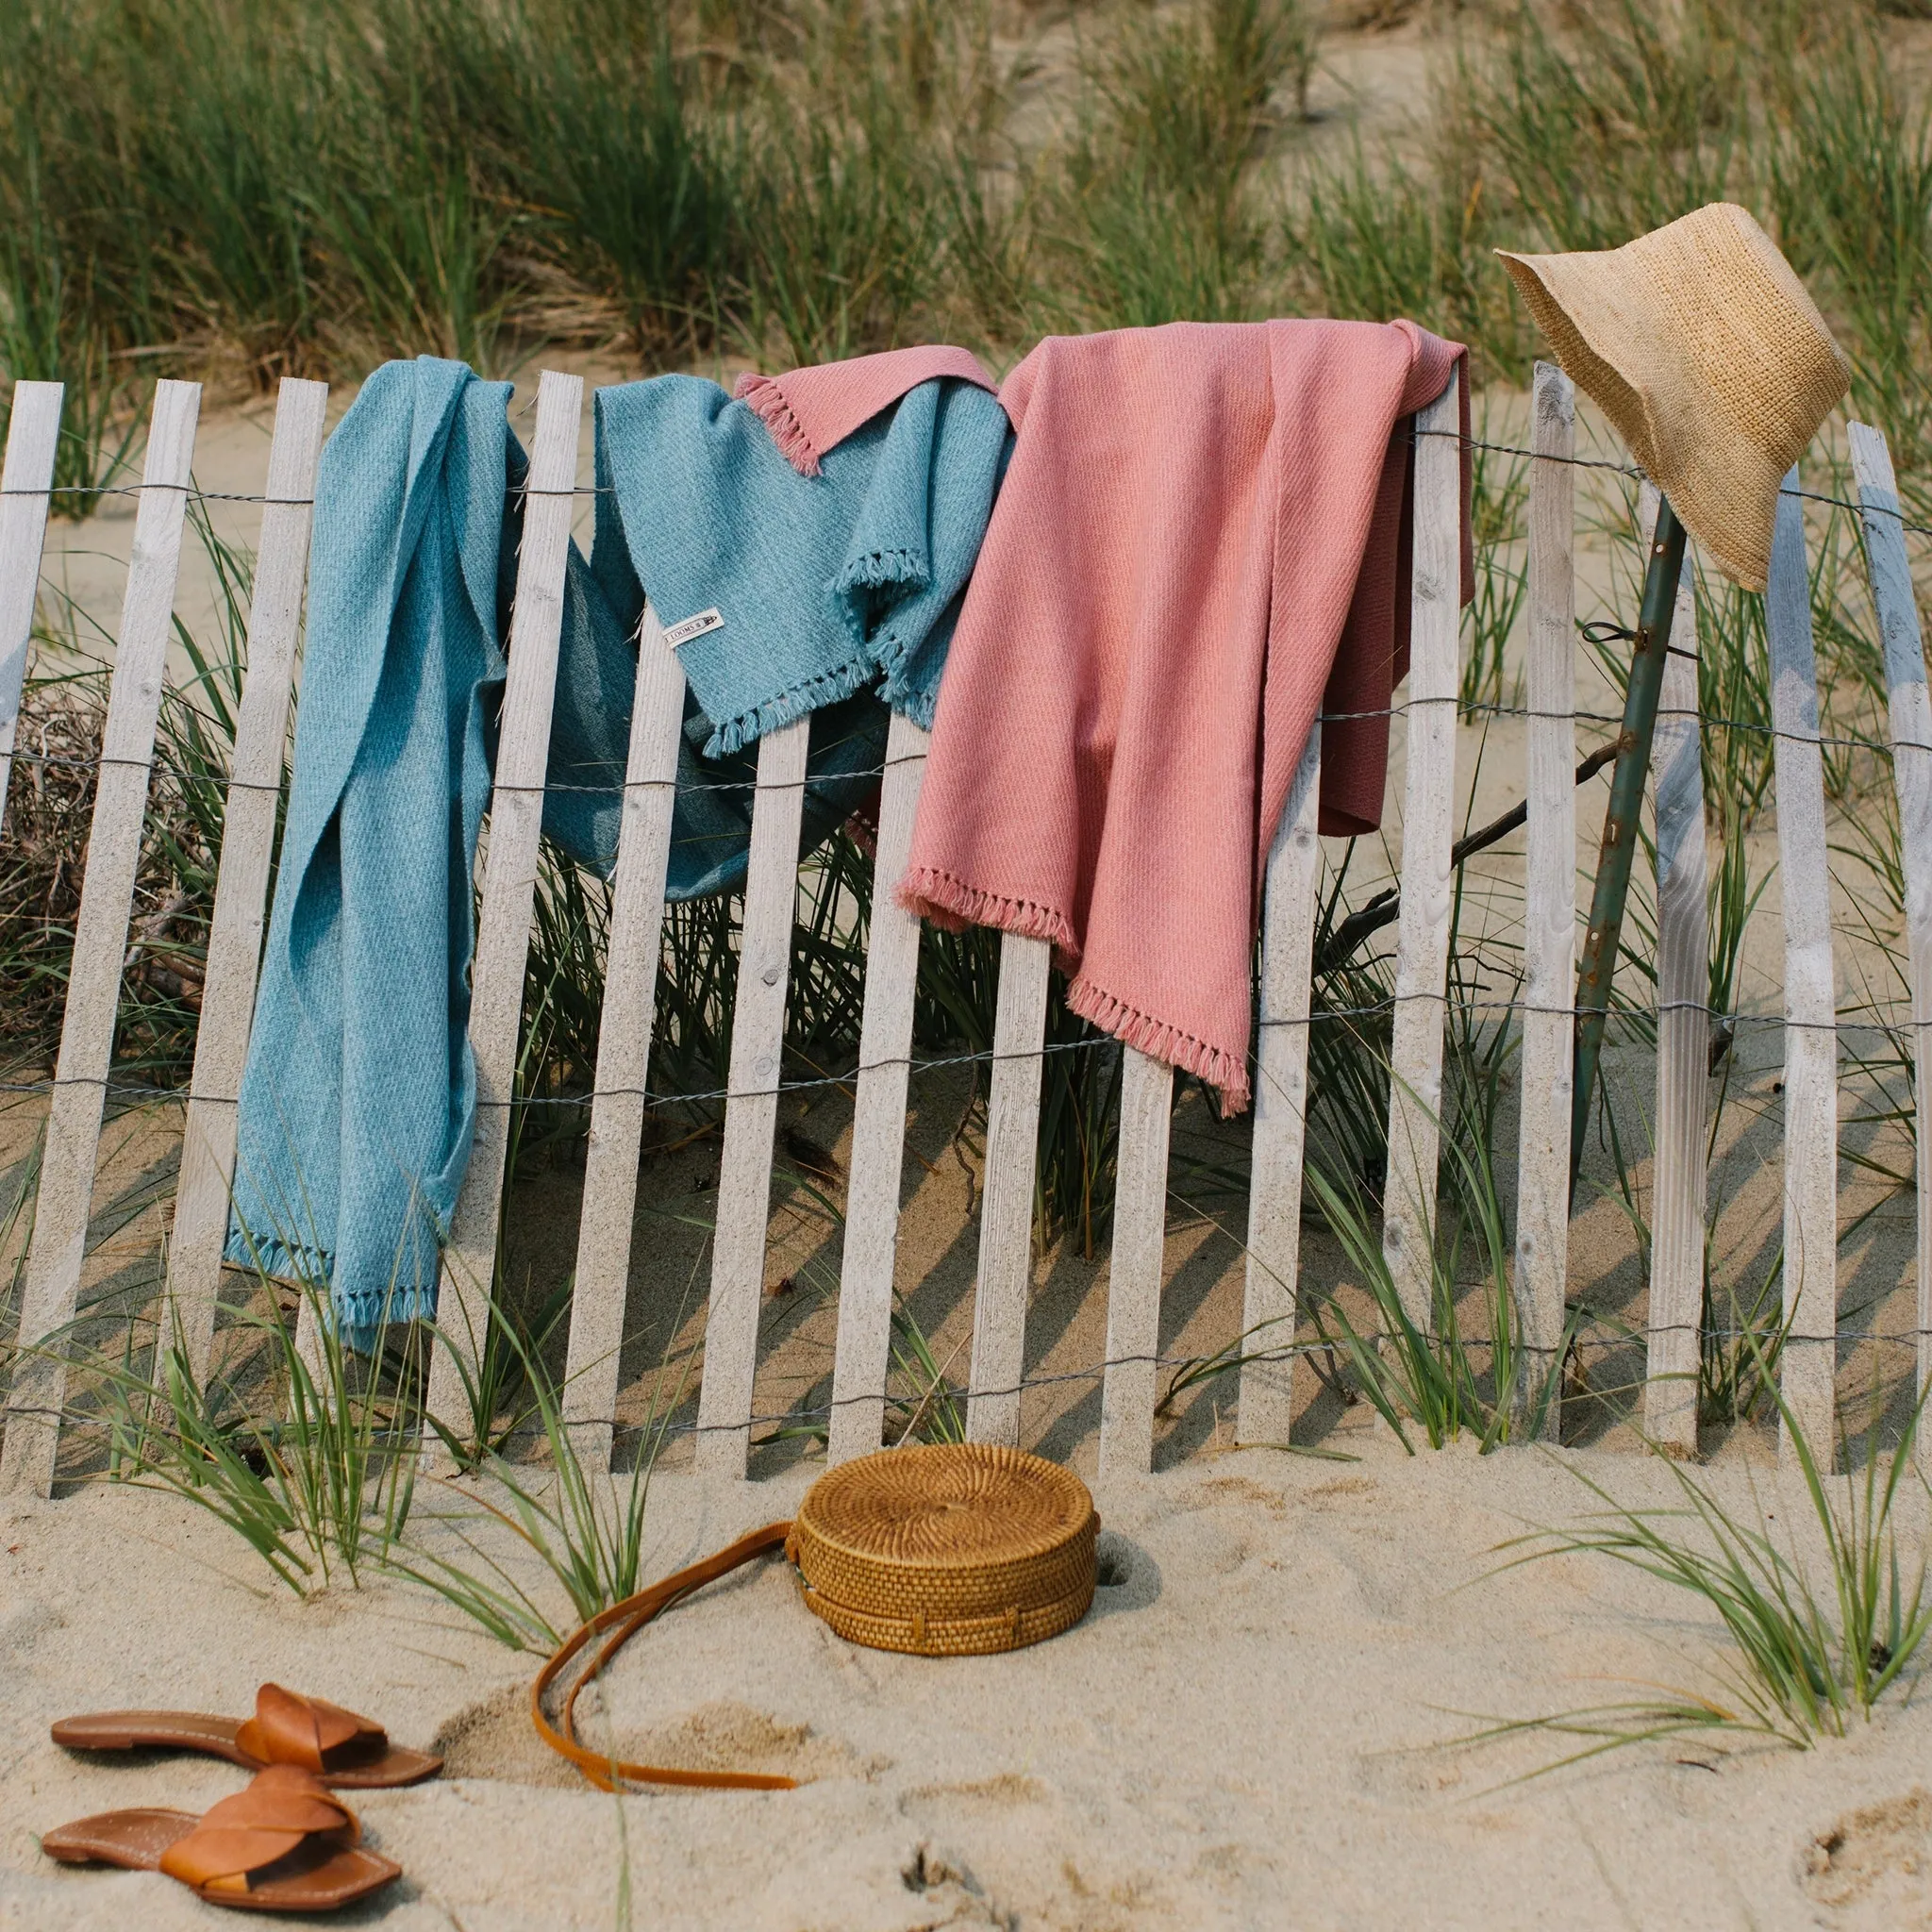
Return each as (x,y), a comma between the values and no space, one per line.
(1203,528)
(812,411)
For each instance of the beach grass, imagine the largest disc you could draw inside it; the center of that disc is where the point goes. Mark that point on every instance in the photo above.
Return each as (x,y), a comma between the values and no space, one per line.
(312,1468)
(1824,1618)
(270,187)
(504,1546)
(1430,1370)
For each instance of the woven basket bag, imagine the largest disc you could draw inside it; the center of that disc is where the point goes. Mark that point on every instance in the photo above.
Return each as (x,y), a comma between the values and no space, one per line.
(947,1549)
(944,1550)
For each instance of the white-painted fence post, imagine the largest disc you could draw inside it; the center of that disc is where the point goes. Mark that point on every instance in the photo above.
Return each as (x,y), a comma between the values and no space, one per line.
(1683,1034)
(93,989)
(33,435)
(509,889)
(1267,1403)
(623,1048)
(1549,935)
(1422,958)
(878,1127)
(1810,1264)
(751,1113)
(1911,768)
(1133,1287)
(248,832)
(1006,1216)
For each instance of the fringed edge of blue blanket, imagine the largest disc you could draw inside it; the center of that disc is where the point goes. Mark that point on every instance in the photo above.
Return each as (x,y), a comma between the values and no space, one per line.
(787,707)
(278,1259)
(871,570)
(878,570)
(365,1313)
(919,706)
(360,1316)
(895,657)
(888,648)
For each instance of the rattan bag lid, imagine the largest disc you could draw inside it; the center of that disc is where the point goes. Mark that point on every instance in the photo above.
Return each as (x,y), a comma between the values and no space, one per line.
(947,1549)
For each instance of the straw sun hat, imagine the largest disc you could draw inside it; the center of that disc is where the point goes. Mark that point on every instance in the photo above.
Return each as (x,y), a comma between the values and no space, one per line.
(1699,342)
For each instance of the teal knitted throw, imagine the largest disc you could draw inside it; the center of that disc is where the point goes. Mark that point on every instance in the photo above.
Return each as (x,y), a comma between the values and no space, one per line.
(799,592)
(359,1098)
(830,592)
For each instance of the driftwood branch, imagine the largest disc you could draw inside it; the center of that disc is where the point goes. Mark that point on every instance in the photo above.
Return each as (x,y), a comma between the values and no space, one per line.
(1386,906)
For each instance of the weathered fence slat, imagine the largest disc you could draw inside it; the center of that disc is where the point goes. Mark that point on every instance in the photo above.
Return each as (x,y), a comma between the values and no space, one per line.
(623,1047)
(1810,1256)
(1006,1215)
(33,434)
(1683,1034)
(878,1127)
(1549,915)
(1911,766)
(1422,958)
(1266,1406)
(248,833)
(751,1113)
(510,887)
(100,944)
(1133,1287)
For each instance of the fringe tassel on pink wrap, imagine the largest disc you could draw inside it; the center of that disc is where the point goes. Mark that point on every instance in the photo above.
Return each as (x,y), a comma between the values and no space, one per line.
(766,400)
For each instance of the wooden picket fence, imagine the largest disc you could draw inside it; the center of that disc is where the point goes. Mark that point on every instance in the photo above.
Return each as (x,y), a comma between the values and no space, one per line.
(1267,1394)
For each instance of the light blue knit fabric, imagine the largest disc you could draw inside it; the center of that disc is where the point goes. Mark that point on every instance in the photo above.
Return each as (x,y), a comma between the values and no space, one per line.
(590,735)
(359,1094)
(829,588)
(813,587)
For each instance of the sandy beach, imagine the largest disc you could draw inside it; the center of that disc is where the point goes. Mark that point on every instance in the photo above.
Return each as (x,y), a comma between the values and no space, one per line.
(1262,1723)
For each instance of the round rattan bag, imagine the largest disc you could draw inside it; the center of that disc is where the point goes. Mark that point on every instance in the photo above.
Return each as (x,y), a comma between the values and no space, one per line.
(947,1549)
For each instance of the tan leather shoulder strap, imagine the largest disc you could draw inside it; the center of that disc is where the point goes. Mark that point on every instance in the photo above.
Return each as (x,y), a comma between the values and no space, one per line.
(617,1626)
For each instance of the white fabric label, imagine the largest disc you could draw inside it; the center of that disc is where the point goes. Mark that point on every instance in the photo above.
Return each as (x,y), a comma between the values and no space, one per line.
(678,634)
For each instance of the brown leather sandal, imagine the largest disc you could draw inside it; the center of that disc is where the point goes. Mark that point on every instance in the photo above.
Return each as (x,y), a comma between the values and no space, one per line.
(339,1747)
(286,1844)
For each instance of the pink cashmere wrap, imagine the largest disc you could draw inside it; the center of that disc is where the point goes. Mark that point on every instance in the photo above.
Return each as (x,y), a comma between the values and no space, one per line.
(1203,528)
(809,412)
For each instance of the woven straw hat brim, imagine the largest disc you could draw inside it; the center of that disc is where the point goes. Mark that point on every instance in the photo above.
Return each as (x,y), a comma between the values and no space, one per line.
(1704,351)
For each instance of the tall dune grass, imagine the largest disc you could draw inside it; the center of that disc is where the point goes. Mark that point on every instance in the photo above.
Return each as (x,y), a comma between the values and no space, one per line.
(1824,1619)
(312,184)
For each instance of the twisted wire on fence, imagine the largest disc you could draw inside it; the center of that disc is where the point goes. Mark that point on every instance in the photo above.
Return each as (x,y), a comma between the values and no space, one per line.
(58,760)
(790,1419)
(1732,1019)
(518,493)
(1729,1019)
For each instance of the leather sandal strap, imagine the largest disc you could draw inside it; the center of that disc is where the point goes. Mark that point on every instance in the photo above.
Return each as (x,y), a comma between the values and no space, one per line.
(289,1729)
(282,1806)
(617,1626)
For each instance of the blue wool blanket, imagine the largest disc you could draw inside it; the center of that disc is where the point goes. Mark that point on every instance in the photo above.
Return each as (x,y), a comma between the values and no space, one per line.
(358,1097)
(782,594)
(820,594)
